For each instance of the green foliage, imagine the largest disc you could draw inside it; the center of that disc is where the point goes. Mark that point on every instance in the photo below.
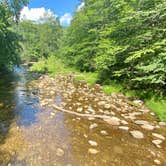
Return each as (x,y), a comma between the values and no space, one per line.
(39,39)
(9,45)
(122,40)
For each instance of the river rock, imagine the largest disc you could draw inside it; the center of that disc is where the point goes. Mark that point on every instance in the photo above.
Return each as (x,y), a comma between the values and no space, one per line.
(103,132)
(92,126)
(107,106)
(114,121)
(92,151)
(141,122)
(60,152)
(147,127)
(92,143)
(162,123)
(137,134)
(124,122)
(157,141)
(158,136)
(79,109)
(138,102)
(101,103)
(124,128)
(156,161)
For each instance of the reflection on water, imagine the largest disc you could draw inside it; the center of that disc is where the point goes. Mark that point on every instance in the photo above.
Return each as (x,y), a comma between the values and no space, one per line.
(31,136)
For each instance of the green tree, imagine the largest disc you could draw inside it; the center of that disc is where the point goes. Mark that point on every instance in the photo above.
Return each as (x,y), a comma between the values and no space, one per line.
(9,43)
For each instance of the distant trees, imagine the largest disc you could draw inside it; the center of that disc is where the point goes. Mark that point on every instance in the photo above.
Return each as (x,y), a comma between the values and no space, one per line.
(122,40)
(39,39)
(9,43)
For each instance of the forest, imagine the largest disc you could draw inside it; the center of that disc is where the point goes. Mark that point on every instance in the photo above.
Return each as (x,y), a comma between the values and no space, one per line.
(122,42)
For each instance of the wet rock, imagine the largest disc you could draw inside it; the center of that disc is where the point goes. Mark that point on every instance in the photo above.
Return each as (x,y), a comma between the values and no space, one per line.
(147,127)
(162,123)
(138,102)
(86,136)
(156,161)
(114,121)
(103,132)
(52,114)
(152,113)
(91,110)
(124,122)
(157,142)
(92,126)
(79,109)
(126,128)
(101,103)
(92,151)
(158,136)
(137,134)
(107,113)
(92,143)
(141,122)
(107,106)
(60,152)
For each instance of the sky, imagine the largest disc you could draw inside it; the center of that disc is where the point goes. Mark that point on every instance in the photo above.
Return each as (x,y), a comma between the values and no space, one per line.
(63,9)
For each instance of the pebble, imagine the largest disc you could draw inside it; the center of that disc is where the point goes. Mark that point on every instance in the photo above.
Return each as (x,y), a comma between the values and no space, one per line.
(103,132)
(153,114)
(101,103)
(92,143)
(141,122)
(162,123)
(124,122)
(158,136)
(93,151)
(157,142)
(92,126)
(137,134)
(147,127)
(156,161)
(60,152)
(79,109)
(86,136)
(52,114)
(124,128)
(113,121)
(107,106)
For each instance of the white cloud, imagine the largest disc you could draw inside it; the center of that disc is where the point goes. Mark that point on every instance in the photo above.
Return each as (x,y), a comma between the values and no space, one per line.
(35,14)
(66,19)
(80,6)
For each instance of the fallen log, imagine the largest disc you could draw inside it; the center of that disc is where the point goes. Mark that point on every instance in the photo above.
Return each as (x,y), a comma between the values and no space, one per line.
(81,114)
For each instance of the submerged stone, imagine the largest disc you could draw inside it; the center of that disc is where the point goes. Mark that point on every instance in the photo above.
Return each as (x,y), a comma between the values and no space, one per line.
(158,136)
(60,152)
(93,151)
(114,121)
(137,134)
(92,143)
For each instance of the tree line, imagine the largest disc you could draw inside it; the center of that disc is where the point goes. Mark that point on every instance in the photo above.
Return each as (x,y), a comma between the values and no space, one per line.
(9,39)
(121,40)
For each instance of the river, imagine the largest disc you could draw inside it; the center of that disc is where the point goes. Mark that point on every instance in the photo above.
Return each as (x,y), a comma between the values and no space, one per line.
(33,136)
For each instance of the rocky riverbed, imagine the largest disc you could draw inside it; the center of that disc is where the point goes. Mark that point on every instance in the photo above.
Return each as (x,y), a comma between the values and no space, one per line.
(126,129)
(63,122)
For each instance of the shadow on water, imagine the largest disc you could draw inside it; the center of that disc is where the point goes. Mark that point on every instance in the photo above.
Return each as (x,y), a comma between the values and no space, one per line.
(18,105)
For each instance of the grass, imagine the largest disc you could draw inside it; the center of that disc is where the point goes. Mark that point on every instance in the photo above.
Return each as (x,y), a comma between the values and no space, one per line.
(54,66)
(159,107)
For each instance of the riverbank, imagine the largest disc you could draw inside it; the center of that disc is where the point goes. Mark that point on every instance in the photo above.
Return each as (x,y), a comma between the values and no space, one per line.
(53,66)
